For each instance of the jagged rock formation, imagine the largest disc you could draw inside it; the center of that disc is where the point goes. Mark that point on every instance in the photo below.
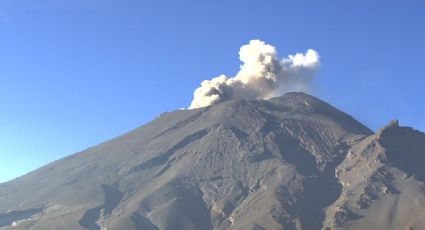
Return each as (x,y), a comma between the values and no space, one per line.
(292,162)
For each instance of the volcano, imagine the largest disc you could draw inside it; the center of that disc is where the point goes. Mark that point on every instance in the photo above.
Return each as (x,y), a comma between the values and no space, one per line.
(290,162)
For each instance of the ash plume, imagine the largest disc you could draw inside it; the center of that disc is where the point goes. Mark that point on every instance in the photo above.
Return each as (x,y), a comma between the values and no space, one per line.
(262,75)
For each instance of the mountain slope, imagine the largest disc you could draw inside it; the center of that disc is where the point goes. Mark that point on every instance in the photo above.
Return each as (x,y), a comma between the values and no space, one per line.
(260,164)
(383,182)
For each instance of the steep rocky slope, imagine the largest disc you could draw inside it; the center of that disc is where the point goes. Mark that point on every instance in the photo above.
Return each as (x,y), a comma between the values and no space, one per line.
(383,182)
(292,162)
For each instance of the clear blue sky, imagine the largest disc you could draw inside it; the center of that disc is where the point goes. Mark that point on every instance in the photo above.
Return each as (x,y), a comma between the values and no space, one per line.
(74,73)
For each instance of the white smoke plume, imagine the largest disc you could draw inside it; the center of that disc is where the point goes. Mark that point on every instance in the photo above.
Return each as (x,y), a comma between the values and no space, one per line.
(261,76)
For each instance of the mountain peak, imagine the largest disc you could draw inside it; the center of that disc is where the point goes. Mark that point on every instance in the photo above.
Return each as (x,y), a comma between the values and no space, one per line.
(243,164)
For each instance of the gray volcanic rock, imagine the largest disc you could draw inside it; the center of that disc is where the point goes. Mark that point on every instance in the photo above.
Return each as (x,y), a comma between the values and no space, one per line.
(382,181)
(292,162)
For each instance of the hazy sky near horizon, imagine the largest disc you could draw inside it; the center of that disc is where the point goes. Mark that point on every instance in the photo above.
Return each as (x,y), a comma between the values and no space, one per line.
(74,73)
